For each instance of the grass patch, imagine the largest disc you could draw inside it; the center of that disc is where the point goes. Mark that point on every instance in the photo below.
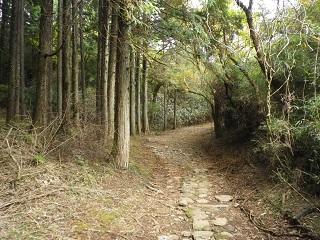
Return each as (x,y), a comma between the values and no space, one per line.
(139,169)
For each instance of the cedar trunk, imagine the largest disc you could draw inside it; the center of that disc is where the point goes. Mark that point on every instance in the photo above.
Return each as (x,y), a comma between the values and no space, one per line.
(42,102)
(138,93)
(66,61)
(122,122)
(16,72)
(59,61)
(145,122)
(132,94)
(75,64)
(112,66)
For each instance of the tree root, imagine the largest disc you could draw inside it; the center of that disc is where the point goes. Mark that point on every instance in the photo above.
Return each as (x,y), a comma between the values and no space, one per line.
(24,200)
(303,234)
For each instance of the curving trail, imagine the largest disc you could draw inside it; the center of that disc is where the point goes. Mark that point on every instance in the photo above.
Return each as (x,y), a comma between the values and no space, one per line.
(201,195)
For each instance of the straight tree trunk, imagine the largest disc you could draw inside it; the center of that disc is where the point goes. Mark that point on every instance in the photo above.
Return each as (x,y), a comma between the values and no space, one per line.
(175,110)
(82,62)
(3,41)
(99,63)
(104,64)
(40,116)
(59,63)
(165,119)
(145,100)
(132,94)
(16,71)
(22,110)
(75,64)
(112,67)
(122,122)
(66,61)
(138,93)
(12,74)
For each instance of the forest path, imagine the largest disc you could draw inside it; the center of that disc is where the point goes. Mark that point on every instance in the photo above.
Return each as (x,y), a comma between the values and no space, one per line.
(203,192)
(172,190)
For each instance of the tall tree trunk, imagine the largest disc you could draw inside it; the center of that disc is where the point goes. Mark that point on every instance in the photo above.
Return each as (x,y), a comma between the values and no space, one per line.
(175,110)
(22,105)
(99,63)
(261,57)
(112,66)
(165,118)
(122,122)
(3,41)
(216,115)
(132,94)
(75,64)
(145,100)
(82,61)
(40,116)
(138,92)
(104,64)
(66,61)
(16,73)
(59,63)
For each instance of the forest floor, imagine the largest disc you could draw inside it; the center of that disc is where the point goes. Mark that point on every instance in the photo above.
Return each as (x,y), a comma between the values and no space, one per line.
(181,184)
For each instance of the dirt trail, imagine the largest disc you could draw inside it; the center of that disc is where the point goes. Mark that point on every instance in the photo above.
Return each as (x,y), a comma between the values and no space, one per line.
(174,190)
(203,193)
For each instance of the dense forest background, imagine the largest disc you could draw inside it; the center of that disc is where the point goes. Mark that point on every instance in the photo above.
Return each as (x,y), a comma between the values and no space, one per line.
(115,68)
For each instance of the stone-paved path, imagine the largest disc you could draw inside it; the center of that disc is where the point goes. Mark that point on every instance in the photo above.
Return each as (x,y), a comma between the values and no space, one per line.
(205,210)
(205,199)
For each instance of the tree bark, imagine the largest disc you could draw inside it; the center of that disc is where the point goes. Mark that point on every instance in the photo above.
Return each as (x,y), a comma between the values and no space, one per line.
(59,55)
(132,94)
(99,63)
(138,93)
(104,64)
(3,41)
(40,116)
(82,61)
(165,119)
(112,66)
(75,64)
(22,110)
(66,61)
(122,123)
(175,110)
(16,72)
(261,57)
(145,123)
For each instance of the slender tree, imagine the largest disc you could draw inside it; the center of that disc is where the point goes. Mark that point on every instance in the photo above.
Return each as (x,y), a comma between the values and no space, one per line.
(175,109)
(132,94)
(138,92)
(3,40)
(112,66)
(104,63)
(66,61)
(59,55)
(122,122)
(165,118)
(22,109)
(82,60)
(75,63)
(145,122)
(40,116)
(16,72)
(99,62)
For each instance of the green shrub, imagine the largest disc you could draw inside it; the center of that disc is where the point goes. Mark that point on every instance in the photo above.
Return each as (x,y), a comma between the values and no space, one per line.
(294,147)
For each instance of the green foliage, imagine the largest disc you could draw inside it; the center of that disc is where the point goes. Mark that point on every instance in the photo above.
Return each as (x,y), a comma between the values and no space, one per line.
(39,159)
(190,110)
(294,147)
